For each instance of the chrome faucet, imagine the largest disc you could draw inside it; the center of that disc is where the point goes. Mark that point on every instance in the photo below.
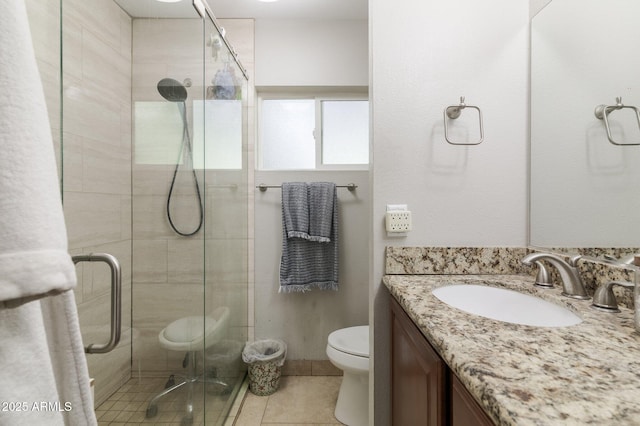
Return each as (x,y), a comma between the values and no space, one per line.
(572,285)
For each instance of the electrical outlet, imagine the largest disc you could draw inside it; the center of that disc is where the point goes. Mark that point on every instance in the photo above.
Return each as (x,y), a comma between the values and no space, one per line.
(398,221)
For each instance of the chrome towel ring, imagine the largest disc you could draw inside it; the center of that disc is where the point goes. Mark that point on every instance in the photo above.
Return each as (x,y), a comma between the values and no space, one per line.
(453,112)
(602,113)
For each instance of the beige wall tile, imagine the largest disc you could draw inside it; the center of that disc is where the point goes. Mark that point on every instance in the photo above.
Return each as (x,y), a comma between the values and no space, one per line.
(156,305)
(152,179)
(296,367)
(150,261)
(92,218)
(106,168)
(226,260)
(95,314)
(232,295)
(149,217)
(73,162)
(324,368)
(146,351)
(108,380)
(186,261)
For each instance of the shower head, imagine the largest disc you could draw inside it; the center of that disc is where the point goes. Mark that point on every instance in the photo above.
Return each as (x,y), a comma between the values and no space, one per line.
(172,90)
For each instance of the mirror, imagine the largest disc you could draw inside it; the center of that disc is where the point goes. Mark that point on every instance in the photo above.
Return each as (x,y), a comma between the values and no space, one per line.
(585,191)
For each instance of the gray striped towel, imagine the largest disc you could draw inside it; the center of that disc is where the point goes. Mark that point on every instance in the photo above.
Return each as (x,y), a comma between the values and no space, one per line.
(309,237)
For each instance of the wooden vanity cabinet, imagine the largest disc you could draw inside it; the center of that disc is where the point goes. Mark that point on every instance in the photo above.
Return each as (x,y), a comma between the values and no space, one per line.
(418,375)
(424,391)
(465,411)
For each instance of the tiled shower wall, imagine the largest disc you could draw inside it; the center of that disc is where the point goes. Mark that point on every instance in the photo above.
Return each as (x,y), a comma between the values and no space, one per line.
(97,173)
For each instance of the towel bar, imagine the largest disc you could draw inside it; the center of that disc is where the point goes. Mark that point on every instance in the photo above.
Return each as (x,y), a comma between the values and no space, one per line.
(263,187)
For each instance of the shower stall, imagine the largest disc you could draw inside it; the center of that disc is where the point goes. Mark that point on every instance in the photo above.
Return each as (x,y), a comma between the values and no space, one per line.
(148,108)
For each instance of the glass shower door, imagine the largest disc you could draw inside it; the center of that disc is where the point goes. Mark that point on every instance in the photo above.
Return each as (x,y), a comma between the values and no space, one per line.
(155,173)
(189,197)
(223,148)
(168,218)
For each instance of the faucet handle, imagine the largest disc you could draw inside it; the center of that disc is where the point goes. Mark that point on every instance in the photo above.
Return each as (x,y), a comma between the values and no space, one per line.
(573,260)
(604,299)
(542,277)
(626,260)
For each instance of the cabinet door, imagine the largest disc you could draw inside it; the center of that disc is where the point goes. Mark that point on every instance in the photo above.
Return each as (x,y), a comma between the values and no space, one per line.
(418,375)
(465,411)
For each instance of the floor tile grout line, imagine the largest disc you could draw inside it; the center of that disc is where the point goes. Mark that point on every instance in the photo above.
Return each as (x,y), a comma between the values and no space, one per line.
(126,399)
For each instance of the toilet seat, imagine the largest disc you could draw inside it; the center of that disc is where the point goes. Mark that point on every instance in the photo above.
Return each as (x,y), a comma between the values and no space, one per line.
(351,340)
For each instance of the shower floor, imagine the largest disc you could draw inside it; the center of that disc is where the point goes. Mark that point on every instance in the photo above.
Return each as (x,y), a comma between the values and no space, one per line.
(129,405)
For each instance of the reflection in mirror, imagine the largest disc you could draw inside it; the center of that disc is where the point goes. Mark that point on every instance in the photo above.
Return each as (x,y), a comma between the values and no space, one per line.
(584,189)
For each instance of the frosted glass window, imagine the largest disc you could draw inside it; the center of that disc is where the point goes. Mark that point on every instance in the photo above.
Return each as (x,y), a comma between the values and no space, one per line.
(313,133)
(217,134)
(286,135)
(157,132)
(345,132)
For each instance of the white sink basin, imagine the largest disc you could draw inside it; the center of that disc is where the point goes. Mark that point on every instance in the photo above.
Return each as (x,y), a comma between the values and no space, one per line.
(506,305)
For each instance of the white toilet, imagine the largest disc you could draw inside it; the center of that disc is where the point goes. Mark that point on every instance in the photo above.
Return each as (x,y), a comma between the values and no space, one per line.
(348,349)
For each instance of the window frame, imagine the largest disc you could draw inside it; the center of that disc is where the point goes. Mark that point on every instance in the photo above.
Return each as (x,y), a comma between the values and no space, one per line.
(318,98)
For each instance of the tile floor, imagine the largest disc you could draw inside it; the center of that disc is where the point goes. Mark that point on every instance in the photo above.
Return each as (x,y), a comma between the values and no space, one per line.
(300,400)
(128,405)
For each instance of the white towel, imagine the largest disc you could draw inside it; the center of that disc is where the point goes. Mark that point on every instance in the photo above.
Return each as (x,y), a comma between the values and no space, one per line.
(44,378)
(33,241)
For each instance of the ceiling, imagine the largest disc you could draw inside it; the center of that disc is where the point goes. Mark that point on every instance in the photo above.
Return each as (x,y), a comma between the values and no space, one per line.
(281,9)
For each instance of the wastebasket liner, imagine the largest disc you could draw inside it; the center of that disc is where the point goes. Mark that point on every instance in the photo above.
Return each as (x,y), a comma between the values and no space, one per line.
(263,351)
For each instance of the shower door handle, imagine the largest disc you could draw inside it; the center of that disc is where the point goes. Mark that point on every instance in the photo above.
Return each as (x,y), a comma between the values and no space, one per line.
(116,300)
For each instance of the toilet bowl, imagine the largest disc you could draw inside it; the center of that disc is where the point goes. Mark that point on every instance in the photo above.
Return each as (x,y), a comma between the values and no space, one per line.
(348,349)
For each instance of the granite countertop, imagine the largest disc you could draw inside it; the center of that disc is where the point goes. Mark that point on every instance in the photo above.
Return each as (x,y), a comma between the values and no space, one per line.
(522,375)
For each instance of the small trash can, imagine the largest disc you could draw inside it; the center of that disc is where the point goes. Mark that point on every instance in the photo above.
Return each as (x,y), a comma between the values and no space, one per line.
(264,359)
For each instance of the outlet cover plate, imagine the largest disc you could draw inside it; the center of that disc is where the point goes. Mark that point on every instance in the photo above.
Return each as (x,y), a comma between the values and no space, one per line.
(398,221)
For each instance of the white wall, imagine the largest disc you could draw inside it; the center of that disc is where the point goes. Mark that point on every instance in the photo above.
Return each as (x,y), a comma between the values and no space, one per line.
(304,320)
(311,53)
(314,54)
(424,56)
(536,5)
